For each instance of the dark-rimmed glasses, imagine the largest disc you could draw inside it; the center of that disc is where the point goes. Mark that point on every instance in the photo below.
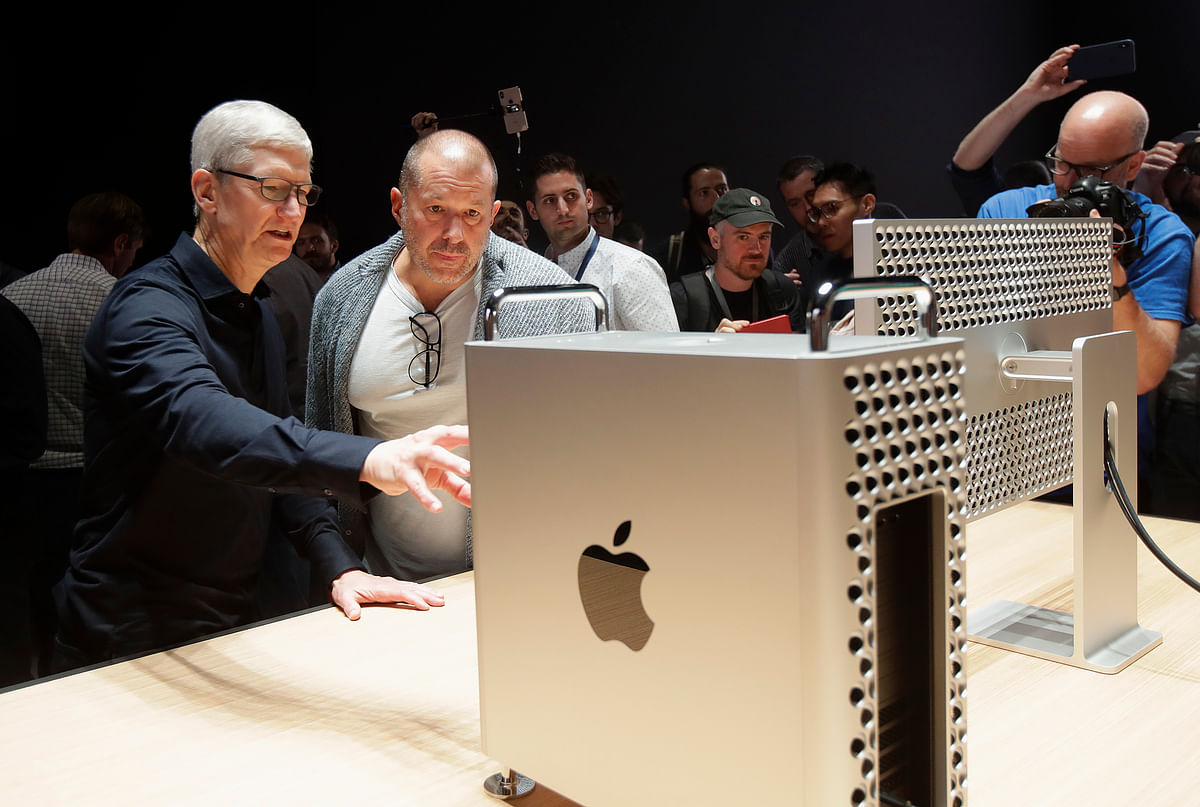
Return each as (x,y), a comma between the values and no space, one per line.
(427,329)
(277,189)
(829,209)
(601,214)
(1061,167)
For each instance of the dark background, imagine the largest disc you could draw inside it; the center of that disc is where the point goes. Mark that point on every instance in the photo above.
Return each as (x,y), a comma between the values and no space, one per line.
(640,91)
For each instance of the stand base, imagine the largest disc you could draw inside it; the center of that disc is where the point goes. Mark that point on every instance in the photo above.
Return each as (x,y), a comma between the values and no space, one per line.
(1050,635)
(512,786)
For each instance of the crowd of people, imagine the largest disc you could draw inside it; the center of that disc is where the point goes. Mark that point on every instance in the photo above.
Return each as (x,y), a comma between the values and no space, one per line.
(255,422)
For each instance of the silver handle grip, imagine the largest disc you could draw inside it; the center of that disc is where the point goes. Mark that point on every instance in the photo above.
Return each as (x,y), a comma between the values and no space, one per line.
(819,317)
(501,297)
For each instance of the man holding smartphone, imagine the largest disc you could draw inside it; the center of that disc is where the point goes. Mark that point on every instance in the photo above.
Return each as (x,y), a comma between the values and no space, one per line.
(1101,136)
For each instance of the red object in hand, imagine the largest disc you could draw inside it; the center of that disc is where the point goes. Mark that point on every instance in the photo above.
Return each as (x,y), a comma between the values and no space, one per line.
(779,324)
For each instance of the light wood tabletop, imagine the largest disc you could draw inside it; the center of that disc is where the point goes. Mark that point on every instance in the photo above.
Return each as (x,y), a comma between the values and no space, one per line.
(316,710)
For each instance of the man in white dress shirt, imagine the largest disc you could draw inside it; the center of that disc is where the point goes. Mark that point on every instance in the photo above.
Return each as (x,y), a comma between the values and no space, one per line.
(631,281)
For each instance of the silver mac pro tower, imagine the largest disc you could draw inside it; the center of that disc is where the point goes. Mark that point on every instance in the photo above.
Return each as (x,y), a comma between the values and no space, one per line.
(1030,300)
(722,569)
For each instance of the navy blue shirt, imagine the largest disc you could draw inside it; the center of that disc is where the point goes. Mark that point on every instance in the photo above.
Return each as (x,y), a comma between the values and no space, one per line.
(190,456)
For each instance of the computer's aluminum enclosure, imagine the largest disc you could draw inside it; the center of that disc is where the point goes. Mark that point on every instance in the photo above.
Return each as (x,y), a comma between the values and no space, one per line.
(755,474)
(1030,299)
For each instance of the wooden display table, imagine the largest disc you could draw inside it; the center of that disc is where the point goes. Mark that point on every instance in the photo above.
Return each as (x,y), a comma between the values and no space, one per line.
(316,710)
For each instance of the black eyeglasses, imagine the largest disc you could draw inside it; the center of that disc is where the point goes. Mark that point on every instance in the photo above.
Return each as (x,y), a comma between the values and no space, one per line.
(602,214)
(828,210)
(278,189)
(427,328)
(1059,166)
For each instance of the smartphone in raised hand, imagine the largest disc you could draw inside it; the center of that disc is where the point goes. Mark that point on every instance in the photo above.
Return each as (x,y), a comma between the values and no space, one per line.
(1102,61)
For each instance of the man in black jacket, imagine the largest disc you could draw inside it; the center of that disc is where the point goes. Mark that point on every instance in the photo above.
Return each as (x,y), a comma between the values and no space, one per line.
(738,288)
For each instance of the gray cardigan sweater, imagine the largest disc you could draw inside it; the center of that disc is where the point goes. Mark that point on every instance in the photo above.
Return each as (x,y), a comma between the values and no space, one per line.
(340,314)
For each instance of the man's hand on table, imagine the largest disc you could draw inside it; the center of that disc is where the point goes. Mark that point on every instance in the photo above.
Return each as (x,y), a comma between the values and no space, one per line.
(355,587)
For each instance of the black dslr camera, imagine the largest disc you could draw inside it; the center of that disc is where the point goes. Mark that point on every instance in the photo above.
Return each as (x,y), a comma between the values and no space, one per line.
(1093,193)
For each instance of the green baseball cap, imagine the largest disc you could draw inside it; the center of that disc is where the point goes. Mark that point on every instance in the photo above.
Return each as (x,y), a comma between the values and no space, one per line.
(742,207)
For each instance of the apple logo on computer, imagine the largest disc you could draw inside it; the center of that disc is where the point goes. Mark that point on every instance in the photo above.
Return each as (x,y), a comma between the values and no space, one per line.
(610,587)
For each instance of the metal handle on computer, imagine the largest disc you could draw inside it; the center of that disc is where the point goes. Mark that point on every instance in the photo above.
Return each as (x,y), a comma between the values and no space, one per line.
(505,296)
(819,317)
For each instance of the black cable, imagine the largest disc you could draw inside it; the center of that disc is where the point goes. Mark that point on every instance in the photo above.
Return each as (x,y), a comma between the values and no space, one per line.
(1110,468)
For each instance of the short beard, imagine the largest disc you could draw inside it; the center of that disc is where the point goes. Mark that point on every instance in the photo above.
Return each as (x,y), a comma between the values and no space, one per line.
(748,274)
(422,261)
(744,274)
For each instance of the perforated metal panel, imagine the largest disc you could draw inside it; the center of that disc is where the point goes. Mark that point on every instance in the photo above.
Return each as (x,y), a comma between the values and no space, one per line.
(908,438)
(1018,452)
(866,694)
(1003,286)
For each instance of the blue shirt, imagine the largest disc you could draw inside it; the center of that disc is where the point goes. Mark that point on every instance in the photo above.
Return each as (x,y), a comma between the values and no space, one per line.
(1159,279)
(190,458)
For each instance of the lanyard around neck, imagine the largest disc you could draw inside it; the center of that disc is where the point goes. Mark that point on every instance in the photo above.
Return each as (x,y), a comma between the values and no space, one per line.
(587,258)
(720,294)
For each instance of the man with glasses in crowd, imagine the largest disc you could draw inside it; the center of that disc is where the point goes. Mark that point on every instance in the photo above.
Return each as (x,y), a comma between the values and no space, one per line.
(608,203)
(387,347)
(842,194)
(1101,136)
(191,456)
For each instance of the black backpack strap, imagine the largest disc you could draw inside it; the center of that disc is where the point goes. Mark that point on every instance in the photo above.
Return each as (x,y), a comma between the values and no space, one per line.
(779,296)
(674,253)
(784,298)
(699,305)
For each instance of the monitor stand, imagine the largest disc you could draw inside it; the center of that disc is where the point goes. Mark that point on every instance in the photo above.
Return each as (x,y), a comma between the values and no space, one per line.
(1101,633)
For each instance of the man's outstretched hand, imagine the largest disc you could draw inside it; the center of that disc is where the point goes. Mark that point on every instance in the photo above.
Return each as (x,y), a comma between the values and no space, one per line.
(420,464)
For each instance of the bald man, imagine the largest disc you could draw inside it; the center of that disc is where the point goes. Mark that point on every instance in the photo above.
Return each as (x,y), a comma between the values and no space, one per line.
(1101,135)
(388,333)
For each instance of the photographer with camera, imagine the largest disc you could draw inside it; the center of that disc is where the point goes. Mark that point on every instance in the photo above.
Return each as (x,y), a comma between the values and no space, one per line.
(1101,136)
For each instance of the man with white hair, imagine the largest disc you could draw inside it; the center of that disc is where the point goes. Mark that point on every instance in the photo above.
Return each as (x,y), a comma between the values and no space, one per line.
(191,454)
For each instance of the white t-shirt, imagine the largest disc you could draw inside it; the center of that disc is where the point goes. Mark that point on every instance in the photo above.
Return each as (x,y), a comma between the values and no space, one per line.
(410,542)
